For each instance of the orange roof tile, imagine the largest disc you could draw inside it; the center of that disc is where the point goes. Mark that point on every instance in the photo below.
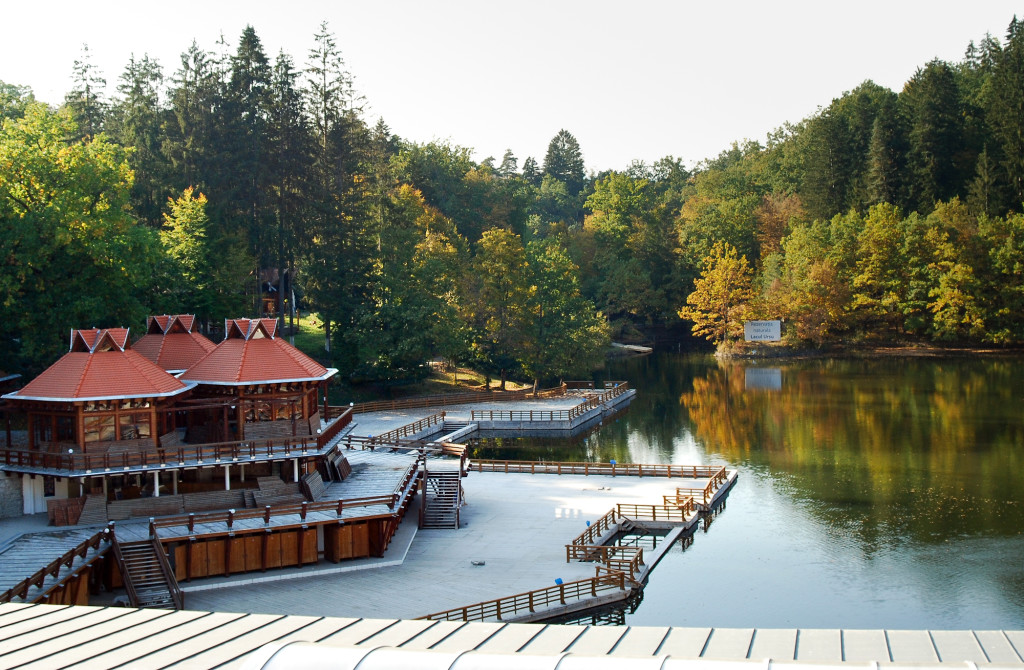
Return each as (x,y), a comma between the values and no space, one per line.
(100,366)
(252,354)
(170,342)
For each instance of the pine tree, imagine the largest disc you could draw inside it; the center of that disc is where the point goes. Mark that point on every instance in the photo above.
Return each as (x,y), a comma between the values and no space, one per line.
(86,97)
(531,174)
(508,167)
(136,120)
(564,161)
(1006,110)
(885,158)
(931,103)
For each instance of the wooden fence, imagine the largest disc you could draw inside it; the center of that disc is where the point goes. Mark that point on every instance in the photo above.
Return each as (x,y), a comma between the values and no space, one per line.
(180,454)
(449,399)
(587,468)
(51,571)
(408,429)
(654,512)
(596,530)
(604,581)
(552,415)
(703,496)
(624,559)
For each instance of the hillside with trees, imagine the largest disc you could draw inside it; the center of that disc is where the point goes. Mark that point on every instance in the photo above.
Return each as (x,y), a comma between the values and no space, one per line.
(235,177)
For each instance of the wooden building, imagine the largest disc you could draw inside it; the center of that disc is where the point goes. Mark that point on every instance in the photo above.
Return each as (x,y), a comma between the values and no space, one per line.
(274,388)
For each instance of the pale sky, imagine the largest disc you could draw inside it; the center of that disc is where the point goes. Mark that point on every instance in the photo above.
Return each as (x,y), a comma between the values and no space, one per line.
(636,80)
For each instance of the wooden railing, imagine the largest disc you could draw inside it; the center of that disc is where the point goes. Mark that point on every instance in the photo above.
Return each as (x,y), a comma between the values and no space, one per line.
(409,429)
(229,517)
(334,427)
(680,501)
(596,530)
(449,399)
(624,559)
(705,495)
(177,597)
(213,452)
(603,582)
(37,580)
(652,512)
(587,468)
(552,415)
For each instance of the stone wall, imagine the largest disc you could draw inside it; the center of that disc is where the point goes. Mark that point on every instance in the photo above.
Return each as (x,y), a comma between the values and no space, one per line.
(11,503)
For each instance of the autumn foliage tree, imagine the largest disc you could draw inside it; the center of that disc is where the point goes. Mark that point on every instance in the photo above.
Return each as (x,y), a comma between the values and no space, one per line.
(721,295)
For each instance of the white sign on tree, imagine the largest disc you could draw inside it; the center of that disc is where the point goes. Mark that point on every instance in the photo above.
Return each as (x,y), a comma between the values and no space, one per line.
(762,331)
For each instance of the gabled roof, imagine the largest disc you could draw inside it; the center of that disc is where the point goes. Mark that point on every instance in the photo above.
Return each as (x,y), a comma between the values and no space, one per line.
(100,366)
(251,353)
(171,343)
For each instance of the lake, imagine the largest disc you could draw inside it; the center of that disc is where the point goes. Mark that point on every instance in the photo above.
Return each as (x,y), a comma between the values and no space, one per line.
(871,493)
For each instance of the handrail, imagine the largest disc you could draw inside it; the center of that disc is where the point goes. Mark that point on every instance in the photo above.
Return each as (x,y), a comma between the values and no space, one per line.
(20,590)
(604,580)
(716,481)
(417,426)
(460,398)
(332,428)
(626,559)
(552,415)
(597,468)
(651,512)
(594,531)
(177,597)
(213,453)
(267,511)
(129,587)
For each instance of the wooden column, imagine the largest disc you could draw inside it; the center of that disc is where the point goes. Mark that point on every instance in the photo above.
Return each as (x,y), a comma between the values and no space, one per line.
(154,425)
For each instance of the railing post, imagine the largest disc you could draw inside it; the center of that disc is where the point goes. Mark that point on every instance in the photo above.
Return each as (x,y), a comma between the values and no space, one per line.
(191,522)
(266,515)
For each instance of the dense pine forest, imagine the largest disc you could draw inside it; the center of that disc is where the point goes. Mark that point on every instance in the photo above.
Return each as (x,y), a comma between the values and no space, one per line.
(235,184)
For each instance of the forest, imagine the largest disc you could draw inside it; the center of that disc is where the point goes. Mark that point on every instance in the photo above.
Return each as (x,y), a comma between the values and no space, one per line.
(239,185)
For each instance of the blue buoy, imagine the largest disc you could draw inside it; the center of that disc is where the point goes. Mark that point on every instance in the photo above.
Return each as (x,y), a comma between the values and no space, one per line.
(588,523)
(558,581)
(613,462)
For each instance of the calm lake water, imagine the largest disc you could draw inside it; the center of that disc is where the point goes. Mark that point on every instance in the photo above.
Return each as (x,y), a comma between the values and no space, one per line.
(871,494)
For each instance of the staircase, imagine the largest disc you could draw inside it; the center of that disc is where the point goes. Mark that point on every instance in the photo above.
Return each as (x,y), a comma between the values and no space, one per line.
(147,576)
(441,500)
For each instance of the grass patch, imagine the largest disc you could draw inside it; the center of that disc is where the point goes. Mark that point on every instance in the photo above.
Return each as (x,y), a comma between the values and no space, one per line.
(309,339)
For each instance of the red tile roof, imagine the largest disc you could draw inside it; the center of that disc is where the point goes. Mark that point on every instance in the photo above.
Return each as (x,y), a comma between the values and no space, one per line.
(171,343)
(252,354)
(100,366)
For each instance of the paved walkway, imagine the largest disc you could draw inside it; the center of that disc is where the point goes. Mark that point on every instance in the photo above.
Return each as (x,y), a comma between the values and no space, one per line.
(516,525)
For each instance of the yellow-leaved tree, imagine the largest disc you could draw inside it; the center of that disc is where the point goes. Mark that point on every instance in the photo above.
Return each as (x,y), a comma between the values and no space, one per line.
(721,295)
